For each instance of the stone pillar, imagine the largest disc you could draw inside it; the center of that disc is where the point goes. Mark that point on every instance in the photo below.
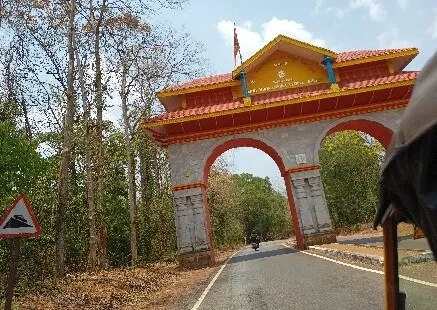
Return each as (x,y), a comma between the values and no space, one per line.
(192,227)
(311,205)
(303,205)
(324,222)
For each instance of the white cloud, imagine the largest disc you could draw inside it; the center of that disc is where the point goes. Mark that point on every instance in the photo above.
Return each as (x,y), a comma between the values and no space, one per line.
(376,11)
(390,39)
(403,4)
(251,41)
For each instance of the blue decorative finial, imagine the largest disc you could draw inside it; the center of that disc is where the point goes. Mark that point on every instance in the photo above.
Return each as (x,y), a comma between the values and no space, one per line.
(328,65)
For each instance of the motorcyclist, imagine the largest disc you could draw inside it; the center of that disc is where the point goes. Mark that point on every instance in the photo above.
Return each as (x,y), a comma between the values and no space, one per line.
(254,238)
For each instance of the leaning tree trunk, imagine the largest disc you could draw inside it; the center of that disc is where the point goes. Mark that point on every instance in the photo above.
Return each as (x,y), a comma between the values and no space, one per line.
(130,170)
(66,151)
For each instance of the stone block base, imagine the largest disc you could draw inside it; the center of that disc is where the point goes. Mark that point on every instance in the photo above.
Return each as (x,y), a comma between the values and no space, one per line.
(317,239)
(195,260)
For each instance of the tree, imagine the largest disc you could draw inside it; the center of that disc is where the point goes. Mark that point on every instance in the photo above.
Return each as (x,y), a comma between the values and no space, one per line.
(226,215)
(63,196)
(350,165)
(241,203)
(49,59)
(264,208)
(38,22)
(20,163)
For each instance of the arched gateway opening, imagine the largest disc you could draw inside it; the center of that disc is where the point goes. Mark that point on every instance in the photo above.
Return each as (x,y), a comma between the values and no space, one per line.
(262,146)
(284,100)
(373,128)
(351,156)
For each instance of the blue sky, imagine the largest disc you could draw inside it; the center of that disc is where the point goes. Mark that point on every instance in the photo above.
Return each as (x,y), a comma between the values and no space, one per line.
(340,25)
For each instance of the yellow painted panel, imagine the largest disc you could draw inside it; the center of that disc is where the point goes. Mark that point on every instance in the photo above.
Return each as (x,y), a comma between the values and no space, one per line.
(283,70)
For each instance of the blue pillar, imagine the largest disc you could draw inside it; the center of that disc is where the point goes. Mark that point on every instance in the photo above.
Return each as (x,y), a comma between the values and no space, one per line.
(328,65)
(246,99)
(244,83)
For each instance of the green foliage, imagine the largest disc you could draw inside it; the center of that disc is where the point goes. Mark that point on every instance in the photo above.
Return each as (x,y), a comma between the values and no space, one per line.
(20,163)
(226,217)
(22,170)
(37,102)
(39,183)
(265,210)
(350,165)
(115,215)
(241,203)
(9,110)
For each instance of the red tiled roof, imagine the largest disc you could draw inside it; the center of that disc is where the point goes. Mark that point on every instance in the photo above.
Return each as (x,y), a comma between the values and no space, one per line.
(208,80)
(353,55)
(341,57)
(287,94)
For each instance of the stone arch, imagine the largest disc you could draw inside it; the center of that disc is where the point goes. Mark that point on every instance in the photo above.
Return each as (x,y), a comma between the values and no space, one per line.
(269,150)
(372,127)
(255,141)
(241,142)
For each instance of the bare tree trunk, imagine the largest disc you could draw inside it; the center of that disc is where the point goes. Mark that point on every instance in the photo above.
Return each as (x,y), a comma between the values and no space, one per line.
(130,172)
(26,119)
(99,104)
(66,151)
(156,169)
(103,236)
(87,126)
(145,190)
(144,173)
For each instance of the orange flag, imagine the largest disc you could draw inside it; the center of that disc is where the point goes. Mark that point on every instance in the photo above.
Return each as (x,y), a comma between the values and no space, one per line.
(236,46)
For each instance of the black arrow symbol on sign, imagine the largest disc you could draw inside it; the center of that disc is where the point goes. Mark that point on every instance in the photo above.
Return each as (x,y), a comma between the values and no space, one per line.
(17,221)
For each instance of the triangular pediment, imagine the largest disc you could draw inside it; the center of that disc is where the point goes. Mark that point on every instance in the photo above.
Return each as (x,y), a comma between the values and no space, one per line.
(282,70)
(288,45)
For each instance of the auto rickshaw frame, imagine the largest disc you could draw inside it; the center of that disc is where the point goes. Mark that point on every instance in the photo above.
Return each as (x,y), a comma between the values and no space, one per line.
(394,298)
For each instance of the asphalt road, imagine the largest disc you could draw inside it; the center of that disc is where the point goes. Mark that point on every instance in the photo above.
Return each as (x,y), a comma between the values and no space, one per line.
(276,277)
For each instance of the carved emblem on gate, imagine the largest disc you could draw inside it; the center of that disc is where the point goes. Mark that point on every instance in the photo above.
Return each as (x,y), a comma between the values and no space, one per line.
(283,70)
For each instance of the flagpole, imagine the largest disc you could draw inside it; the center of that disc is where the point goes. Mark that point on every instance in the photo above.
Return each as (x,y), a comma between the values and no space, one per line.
(241,58)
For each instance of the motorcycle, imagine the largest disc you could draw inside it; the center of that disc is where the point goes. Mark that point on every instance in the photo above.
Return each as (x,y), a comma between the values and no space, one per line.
(255,245)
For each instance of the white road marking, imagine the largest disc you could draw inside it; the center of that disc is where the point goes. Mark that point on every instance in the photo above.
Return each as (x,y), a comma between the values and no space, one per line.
(202,297)
(366,269)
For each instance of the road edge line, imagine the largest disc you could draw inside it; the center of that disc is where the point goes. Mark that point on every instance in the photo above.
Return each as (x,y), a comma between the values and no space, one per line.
(205,292)
(366,269)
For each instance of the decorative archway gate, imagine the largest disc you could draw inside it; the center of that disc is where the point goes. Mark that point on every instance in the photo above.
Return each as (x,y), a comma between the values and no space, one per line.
(283,100)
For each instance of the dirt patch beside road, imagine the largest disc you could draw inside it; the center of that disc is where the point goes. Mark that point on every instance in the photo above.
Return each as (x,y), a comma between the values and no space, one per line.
(366,230)
(155,286)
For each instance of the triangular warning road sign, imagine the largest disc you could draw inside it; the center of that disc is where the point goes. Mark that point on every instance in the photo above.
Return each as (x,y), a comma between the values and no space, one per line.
(19,221)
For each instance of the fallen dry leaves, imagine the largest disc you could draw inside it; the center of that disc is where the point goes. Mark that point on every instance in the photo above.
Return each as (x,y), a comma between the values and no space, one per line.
(155,286)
